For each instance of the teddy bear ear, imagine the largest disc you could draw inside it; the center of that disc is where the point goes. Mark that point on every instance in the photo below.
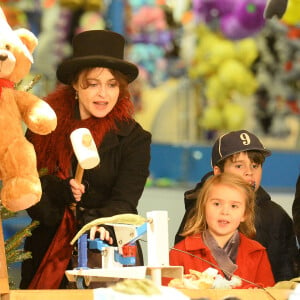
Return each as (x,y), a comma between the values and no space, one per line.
(28,41)
(5,27)
(28,38)
(2,15)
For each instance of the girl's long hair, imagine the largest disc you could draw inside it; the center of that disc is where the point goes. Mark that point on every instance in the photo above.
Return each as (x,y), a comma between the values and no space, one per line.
(196,222)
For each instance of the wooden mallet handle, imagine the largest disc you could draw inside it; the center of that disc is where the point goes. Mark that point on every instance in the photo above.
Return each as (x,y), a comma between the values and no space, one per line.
(78,178)
(79,174)
(86,153)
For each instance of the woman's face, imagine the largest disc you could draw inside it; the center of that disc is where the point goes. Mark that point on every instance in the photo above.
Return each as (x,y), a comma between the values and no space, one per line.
(101,94)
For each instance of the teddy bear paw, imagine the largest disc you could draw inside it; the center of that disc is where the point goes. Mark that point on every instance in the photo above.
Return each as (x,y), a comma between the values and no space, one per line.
(43,119)
(20,193)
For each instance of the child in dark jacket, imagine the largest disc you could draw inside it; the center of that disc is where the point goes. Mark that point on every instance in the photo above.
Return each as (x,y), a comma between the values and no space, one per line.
(219,231)
(241,152)
(296,209)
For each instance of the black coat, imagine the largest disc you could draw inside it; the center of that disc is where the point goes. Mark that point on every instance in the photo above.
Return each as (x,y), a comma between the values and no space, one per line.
(113,187)
(274,230)
(296,209)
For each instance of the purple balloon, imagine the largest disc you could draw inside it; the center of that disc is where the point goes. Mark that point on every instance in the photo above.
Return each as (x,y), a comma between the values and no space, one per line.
(250,13)
(226,6)
(237,19)
(246,20)
(232,28)
(160,38)
(209,10)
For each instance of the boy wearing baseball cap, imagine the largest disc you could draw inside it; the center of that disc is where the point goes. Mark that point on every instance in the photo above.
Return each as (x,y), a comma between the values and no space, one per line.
(296,209)
(242,153)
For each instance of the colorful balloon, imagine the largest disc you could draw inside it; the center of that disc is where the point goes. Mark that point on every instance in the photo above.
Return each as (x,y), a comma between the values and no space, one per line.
(236,19)
(245,20)
(292,13)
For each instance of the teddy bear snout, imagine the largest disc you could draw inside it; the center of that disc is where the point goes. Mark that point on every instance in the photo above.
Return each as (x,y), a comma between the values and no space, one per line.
(3,56)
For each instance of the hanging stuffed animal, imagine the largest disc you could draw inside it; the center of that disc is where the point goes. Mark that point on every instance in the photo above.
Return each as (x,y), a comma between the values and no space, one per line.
(275,8)
(21,187)
(224,66)
(288,11)
(235,19)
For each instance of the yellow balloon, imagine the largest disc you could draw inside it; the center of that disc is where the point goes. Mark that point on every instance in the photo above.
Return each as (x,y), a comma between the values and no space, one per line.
(234,116)
(235,76)
(211,118)
(215,91)
(246,51)
(211,51)
(292,13)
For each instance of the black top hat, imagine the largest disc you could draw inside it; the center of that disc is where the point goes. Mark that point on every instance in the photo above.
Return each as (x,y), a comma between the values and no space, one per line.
(235,142)
(96,48)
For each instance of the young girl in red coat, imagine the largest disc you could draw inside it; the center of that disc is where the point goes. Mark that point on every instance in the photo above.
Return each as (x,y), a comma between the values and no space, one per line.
(218,234)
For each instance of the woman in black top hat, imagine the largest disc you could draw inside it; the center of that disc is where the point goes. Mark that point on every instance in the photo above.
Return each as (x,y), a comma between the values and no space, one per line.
(93,94)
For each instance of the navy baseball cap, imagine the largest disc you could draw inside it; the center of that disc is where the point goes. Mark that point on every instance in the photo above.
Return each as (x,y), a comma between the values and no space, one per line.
(235,142)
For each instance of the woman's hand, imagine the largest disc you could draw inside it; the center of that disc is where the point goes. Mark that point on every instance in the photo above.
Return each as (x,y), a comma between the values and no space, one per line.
(103,234)
(77,189)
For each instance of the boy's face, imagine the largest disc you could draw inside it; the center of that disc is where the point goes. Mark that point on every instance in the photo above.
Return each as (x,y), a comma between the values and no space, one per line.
(243,166)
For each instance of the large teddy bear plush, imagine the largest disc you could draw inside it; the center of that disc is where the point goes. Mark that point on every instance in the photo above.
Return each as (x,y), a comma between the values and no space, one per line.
(21,187)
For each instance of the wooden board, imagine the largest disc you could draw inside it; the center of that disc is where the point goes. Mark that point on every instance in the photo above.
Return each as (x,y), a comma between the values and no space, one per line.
(243,294)
(111,274)
(49,295)
(250,294)
(4,286)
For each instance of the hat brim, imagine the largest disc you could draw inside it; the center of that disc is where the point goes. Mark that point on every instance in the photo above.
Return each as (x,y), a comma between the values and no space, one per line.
(66,70)
(265,152)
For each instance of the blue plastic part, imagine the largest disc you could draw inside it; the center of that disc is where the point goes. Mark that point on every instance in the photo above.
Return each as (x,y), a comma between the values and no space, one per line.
(82,251)
(141,230)
(97,244)
(80,283)
(130,260)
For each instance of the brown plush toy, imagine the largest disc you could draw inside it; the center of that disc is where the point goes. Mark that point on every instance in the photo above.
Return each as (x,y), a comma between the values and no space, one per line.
(275,8)
(21,186)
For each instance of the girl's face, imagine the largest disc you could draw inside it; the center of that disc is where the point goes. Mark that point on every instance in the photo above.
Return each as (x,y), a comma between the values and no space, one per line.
(101,94)
(243,166)
(224,211)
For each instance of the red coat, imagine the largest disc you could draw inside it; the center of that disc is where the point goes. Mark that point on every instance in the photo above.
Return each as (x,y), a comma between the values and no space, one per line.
(252,260)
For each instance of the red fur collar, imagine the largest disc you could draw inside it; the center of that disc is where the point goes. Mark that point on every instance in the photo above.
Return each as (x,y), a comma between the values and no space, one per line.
(54,151)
